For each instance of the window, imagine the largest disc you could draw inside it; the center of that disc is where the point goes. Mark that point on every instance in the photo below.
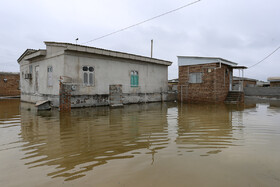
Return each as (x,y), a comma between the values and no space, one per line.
(30,69)
(50,76)
(134,79)
(195,78)
(88,74)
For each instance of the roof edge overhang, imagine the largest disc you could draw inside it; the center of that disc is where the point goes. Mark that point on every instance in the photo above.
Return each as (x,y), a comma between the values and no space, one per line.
(244,78)
(26,52)
(38,53)
(210,59)
(93,50)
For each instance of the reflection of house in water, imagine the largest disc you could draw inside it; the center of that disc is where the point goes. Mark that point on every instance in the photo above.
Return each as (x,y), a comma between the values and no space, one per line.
(9,112)
(207,127)
(274,103)
(76,143)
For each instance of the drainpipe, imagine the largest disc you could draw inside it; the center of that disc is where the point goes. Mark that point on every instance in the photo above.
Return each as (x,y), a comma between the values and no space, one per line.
(220,66)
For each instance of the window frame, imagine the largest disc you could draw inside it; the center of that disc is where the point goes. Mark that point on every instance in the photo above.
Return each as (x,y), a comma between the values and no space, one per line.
(49,76)
(195,78)
(90,75)
(134,78)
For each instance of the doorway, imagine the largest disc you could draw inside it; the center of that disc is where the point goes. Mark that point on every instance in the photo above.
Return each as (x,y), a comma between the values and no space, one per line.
(36,79)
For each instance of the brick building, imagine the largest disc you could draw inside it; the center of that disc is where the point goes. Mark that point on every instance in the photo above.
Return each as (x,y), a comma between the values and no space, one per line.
(274,81)
(9,84)
(205,79)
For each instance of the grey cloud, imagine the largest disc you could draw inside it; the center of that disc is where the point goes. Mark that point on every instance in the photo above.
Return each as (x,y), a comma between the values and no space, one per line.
(241,31)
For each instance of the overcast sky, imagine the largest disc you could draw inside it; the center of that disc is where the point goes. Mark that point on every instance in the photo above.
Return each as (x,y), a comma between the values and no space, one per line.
(240,31)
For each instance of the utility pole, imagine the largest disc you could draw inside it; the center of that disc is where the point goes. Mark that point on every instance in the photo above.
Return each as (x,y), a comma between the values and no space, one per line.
(152,42)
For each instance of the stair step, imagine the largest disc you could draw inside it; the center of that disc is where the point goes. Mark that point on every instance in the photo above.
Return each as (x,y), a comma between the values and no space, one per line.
(234,97)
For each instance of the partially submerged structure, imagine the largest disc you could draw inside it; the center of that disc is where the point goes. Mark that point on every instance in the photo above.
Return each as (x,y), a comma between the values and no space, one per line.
(72,75)
(9,84)
(207,79)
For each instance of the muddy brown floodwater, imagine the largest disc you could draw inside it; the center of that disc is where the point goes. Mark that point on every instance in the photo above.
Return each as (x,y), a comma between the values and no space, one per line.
(157,144)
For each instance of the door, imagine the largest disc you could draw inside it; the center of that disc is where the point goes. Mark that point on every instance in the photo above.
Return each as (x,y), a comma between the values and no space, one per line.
(230,81)
(36,79)
(115,94)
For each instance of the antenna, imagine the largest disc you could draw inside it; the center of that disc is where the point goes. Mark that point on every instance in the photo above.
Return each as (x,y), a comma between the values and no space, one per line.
(77,40)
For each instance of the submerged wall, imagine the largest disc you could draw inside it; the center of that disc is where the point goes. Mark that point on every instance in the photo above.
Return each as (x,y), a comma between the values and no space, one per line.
(262,91)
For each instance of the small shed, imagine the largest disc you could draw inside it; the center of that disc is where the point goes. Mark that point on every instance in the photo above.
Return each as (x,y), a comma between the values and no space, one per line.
(205,79)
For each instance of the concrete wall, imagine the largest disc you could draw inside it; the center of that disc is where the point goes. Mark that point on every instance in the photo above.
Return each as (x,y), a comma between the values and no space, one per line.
(9,84)
(111,71)
(262,91)
(45,92)
(214,86)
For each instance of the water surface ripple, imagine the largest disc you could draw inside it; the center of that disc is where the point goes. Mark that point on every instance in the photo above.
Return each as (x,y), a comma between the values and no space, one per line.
(156,144)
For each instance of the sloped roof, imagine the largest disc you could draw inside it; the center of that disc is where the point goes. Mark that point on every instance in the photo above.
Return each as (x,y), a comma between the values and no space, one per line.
(105,52)
(26,52)
(31,53)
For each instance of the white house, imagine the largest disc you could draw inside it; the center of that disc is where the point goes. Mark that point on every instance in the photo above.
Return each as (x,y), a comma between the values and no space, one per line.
(90,71)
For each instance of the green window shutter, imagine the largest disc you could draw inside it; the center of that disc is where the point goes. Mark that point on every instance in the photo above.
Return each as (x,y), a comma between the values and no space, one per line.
(136,80)
(131,79)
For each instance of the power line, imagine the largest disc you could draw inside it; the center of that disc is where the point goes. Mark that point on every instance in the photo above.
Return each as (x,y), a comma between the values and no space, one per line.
(171,11)
(265,57)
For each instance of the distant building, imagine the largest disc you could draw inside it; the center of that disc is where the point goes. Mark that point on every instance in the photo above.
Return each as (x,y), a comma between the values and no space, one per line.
(262,84)
(173,84)
(247,82)
(9,84)
(274,81)
(90,76)
(206,79)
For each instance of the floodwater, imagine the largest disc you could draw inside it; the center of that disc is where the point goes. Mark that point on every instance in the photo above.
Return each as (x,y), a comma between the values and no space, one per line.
(157,144)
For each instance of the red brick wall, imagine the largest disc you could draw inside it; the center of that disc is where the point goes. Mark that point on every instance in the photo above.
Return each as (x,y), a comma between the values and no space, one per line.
(64,97)
(11,86)
(214,86)
(275,84)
